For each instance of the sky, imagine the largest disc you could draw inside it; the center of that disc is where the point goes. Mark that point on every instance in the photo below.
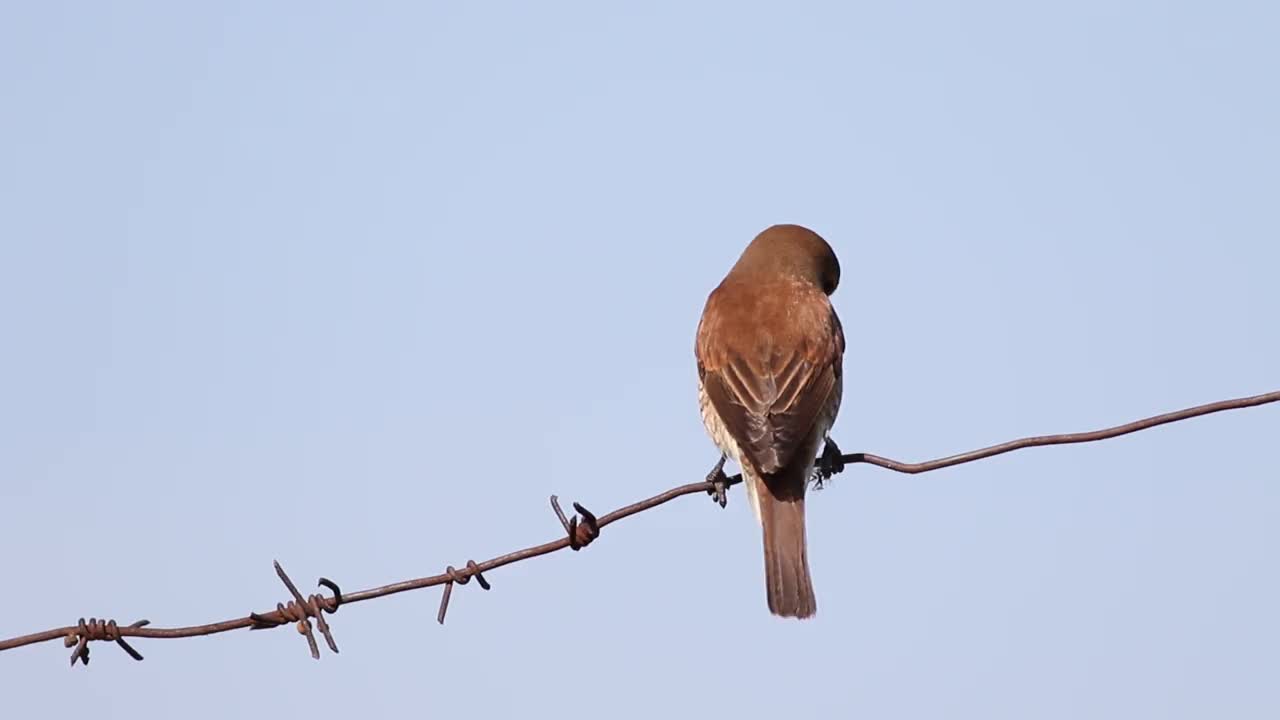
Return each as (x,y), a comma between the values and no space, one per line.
(356,287)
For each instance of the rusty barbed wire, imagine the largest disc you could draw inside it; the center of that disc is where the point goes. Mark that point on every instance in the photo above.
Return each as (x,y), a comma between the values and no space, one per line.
(579,531)
(1064,439)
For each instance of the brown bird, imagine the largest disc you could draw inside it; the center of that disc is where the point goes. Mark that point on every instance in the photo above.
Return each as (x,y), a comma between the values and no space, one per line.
(769,351)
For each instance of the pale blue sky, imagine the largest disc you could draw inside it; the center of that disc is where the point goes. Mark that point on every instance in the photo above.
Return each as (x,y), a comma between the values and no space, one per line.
(358,287)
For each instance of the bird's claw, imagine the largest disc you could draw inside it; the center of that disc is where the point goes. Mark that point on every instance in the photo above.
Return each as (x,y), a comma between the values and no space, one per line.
(719,490)
(830,463)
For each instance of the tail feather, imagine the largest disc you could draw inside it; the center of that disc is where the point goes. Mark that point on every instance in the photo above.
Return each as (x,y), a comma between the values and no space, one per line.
(786,561)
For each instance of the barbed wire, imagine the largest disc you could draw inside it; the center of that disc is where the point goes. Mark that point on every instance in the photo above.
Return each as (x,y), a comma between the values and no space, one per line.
(579,531)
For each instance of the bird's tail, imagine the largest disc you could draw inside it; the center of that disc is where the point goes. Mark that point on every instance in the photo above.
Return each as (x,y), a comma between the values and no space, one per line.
(786,561)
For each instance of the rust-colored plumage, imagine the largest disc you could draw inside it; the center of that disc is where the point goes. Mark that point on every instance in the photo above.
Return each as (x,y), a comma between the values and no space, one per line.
(769,351)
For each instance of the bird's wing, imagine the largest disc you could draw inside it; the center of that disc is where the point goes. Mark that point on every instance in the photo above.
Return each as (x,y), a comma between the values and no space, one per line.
(769,390)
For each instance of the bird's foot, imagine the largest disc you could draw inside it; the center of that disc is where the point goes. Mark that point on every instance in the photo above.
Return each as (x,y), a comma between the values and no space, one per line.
(830,463)
(719,490)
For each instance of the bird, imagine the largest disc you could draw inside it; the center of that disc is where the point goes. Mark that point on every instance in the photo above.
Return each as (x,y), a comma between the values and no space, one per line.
(770,352)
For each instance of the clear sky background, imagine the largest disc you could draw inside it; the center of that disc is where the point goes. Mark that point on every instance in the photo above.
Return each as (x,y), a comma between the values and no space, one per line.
(357,288)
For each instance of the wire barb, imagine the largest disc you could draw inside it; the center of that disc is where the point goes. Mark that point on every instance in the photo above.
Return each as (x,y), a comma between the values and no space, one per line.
(95,629)
(580,533)
(301,610)
(460,578)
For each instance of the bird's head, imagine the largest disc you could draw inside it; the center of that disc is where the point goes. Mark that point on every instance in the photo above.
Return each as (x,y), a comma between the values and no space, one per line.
(791,251)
